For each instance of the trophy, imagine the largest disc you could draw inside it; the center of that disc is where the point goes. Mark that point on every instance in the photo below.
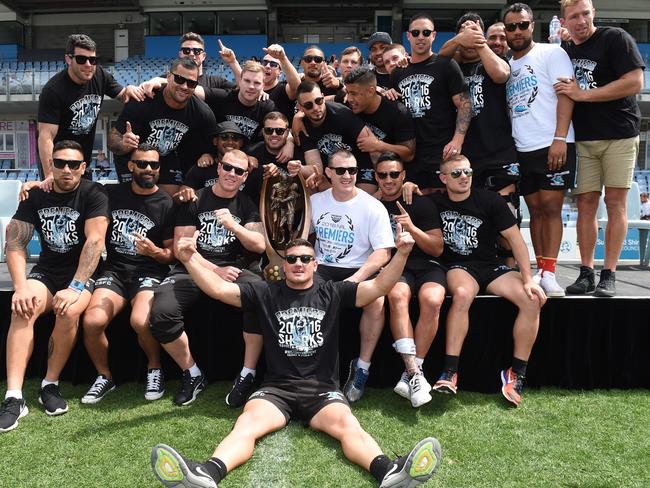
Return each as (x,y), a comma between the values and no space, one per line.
(286,214)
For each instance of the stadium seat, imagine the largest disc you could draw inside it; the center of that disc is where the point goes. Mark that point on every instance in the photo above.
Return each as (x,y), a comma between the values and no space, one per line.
(9,191)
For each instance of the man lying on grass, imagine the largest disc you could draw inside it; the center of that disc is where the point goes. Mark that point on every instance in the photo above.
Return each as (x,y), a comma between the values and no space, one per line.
(300,328)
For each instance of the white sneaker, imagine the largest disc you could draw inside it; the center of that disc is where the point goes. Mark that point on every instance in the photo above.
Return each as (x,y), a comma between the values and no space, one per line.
(155,384)
(419,389)
(537,277)
(550,285)
(402,387)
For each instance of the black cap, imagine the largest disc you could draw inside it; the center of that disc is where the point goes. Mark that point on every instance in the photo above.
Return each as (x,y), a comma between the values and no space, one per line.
(379,37)
(228,127)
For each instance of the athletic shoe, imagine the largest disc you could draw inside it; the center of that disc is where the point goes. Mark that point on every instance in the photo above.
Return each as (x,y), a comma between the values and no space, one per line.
(447,383)
(177,472)
(537,277)
(607,284)
(50,397)
(191,386)
(155,384)
(11,410)
(100,388)
(356,382)
(550,285)
(513,385)
(416,468)
(402,387)
(241,390)
(585,283)
(419,389)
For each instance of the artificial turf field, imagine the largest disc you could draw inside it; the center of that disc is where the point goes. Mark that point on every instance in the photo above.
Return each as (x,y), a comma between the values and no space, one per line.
(556,438)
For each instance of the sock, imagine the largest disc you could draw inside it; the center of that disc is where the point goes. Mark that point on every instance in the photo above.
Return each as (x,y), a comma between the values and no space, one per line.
(14,394)
(380,466)
(451,363)
(363,365)
(246,371)
(540,262)
(419,362)
(216,468)
(606,274)
(194,371)
(549,264)
(519,366)
(45,382)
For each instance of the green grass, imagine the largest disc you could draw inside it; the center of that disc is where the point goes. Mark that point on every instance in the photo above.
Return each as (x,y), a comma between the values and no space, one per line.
(557,438)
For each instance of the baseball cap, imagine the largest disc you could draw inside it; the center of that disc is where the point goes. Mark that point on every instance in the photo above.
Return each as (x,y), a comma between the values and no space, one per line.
(379,37)
(228,127)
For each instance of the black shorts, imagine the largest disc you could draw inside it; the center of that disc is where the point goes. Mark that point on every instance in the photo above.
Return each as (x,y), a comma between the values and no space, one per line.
(299,399)
(496,172)
(128,287)
(176,294)
(55,280)
(424,171)
(417,276)
(333,273)
(484,273)
(536,176)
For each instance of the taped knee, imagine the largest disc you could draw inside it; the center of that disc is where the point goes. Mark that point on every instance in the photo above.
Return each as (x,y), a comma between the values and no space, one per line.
(405,346)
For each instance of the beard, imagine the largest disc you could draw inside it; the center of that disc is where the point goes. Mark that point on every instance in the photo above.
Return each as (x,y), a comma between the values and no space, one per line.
(525,44)
(142,182)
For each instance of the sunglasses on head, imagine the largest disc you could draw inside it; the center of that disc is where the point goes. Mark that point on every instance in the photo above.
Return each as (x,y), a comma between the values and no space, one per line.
(310,105)
(304,259)
(272,64)
(342,169)
(229,136)
(181,80)
(455,173)
(73,164)
(143,163)
(229,167)
(523,25)
(315,59)
(384,174)
(81,59)
(425,32)
(278,130)
(195,50)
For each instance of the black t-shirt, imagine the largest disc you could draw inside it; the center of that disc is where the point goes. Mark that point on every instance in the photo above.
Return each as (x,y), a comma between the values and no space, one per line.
(211,81)
(427,89)
(200,177)
(489,131)
(59,219)
(300,327)
(283,104)
(226,106)
(424,215)
(180,135)
(470,228)
(391,122)
(339,130)
(74,108)
(383,79)
(215,243)
(149,215)
(606,56)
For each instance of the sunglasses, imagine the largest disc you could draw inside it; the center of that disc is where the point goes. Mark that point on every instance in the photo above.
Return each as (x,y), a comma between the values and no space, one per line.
(230,137)
(304,259)
(181,80)
(315,59)
(81,59)
(277,130)
(73,164)
(143,163)
(455,173)
(195,50)
(342,169)
(523,25)
(310,105)
(384,174)
(425,32)
(272,64)
(227,168)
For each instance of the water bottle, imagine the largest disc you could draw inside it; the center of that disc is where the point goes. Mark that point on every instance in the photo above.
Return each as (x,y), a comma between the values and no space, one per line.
(554,31)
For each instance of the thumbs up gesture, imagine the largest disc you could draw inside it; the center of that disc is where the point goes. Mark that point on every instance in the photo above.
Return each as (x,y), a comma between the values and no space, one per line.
(130,140)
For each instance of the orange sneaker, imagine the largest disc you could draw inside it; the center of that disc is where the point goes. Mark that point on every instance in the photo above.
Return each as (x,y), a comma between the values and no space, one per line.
(446,383)
(512,386)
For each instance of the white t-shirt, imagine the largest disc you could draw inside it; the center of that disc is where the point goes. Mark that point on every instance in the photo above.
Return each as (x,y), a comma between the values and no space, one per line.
(645,211)
(531,98)
(348,232)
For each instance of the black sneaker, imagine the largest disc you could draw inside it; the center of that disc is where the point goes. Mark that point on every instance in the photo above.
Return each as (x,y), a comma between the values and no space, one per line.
(241,390)
(50,397)
(99,389)
(585,283)
(191,386)
(416,468)
(174,471)
(155,384)
(607,284)
(11,410)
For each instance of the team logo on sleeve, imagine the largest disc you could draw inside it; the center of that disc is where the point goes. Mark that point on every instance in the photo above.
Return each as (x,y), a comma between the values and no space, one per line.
(84,114)
(521,91)
(125,223)
(335,237)
(59,227)
(415,93)
(214,237)
(460,232)
(166,135)
(584,71)
(247,125)
(330,143)
(300,332)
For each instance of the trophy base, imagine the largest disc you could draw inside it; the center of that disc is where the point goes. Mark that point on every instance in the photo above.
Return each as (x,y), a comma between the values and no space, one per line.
(273,270)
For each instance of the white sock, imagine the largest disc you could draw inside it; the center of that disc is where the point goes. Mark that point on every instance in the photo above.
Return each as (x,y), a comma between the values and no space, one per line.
(246,371)
(195,371)
(419,362)
(14,394)
(363,365)
(45,382)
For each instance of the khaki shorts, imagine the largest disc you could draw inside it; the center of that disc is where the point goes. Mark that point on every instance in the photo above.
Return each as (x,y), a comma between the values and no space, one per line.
(608,163)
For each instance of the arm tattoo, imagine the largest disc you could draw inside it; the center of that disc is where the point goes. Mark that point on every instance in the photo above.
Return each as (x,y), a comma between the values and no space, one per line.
(464,116)
(19,234)
(88,260)
(255,227)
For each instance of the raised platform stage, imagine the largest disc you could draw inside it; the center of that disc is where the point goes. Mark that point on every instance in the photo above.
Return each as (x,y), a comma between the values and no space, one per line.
(583,342)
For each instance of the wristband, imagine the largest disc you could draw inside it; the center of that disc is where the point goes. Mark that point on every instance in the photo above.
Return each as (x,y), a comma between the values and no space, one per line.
(558,138)
(76,285)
